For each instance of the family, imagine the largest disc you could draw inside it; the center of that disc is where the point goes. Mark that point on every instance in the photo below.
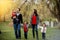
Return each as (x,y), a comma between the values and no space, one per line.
(34,21)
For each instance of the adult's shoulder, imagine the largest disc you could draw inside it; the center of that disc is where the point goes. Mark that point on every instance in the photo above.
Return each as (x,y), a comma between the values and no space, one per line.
(20,14)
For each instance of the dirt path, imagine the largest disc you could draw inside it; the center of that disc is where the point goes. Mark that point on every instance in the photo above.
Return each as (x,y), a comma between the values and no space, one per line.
(55,35)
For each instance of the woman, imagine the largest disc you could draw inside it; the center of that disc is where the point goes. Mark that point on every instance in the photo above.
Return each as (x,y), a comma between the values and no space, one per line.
(34,23)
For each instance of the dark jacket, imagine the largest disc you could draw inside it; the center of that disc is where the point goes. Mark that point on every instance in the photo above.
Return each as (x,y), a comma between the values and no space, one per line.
(19,19)
(14,21)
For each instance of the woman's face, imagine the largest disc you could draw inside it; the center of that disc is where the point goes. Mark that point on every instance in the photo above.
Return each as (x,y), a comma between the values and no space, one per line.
(34,14)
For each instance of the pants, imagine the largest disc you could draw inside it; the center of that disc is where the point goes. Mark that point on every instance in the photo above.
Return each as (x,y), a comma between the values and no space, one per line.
(43,35)
(17,30)
(34,29)
(25,35)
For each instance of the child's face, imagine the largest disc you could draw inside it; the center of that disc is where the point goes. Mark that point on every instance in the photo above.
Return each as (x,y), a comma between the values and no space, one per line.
(43,25)
(25,22)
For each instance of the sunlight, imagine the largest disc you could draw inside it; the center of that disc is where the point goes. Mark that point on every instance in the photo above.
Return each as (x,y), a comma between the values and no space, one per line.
(5,5)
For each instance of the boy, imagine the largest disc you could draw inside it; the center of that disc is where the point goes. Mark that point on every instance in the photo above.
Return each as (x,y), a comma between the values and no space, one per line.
(43,31)
(25,26)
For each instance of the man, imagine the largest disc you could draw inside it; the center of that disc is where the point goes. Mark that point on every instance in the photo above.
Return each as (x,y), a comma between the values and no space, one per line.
(17,20)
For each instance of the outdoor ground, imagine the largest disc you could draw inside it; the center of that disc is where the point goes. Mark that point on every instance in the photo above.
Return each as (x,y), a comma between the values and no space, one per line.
(8,33)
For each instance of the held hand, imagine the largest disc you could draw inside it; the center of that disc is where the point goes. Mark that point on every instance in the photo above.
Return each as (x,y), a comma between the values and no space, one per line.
(21,24)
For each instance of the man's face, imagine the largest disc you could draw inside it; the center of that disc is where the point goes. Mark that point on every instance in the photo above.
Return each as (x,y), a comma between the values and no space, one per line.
(17,10)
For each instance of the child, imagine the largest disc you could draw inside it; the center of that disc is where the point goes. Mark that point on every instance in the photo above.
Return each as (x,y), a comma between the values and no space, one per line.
(43,30)
(13,14)
(25,25)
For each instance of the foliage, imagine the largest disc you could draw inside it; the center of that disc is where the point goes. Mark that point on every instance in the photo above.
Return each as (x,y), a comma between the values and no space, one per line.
(55,9)
(27,10)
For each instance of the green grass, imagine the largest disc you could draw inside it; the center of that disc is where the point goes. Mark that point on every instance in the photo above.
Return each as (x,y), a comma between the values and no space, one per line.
(8,32)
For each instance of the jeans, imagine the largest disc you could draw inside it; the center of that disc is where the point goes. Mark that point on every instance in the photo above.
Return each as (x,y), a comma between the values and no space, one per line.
(17,30)
(34,29)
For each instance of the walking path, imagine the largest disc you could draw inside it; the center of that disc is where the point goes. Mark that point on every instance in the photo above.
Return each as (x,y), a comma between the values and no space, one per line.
(55,35)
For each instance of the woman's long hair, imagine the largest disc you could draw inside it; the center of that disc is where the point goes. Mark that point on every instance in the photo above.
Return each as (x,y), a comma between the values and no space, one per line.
(35,12)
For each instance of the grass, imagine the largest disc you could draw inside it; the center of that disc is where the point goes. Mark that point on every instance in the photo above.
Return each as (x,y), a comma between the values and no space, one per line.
(8,32)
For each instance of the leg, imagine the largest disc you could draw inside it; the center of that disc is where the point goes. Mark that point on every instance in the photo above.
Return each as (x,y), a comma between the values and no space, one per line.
(15,29)
(33,29)
(43,35)
(36,31)
(19,31)
(25,35)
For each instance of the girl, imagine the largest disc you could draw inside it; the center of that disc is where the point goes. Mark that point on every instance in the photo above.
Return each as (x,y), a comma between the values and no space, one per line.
(25,25)
(43,31)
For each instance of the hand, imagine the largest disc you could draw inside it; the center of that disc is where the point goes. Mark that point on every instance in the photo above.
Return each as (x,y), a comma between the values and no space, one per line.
(21,24)
(14,17)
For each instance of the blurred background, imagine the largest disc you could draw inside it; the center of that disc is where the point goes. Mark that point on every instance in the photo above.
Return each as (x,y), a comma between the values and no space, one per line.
(48,10)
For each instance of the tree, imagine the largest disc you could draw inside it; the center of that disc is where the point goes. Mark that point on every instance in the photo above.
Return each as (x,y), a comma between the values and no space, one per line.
(55,9)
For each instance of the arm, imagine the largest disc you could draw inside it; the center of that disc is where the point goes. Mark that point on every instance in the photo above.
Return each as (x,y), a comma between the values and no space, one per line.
(31,19)
(38,20)
(21,19)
